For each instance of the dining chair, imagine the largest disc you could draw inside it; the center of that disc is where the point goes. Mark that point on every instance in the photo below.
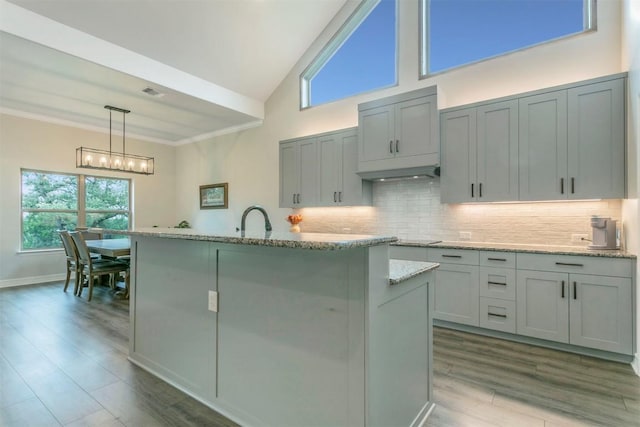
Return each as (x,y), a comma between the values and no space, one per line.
(73,264)
(93,269)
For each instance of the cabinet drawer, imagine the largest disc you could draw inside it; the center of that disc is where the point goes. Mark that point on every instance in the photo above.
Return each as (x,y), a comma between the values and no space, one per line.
(408,253)
(497,314)
(498,259)
(453,256)
(600,266)
(498,283)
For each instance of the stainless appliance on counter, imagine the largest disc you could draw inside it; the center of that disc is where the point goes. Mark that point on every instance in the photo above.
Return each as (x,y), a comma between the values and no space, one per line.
(604,233)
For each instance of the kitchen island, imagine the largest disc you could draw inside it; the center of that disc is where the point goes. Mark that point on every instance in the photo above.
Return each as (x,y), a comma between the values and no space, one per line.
(285,329)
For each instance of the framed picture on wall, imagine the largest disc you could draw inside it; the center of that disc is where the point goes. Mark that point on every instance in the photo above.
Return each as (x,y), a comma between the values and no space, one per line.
(214,196)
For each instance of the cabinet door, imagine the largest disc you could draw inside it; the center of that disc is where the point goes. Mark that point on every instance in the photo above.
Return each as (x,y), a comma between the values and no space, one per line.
(308,194)
(596,141)
(376,133)
(416,127)
(289,164)
(330,169)
(601,313)
(542,305)
(497,153)
(543,146)
(352,191)
(457,294)
(458,156)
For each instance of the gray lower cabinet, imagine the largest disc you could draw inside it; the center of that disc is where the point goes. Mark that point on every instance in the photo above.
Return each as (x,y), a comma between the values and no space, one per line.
(457,286)
(298,173)
(568,306)
(584,301)
(397,133)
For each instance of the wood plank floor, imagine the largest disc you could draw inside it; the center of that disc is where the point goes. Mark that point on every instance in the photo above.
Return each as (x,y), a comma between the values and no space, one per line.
(63,362)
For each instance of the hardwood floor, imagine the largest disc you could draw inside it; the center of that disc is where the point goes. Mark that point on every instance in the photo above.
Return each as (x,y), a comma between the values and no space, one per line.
(63,362)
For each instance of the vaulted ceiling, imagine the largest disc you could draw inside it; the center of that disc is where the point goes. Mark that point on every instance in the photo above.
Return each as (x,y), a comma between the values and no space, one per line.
(214,62)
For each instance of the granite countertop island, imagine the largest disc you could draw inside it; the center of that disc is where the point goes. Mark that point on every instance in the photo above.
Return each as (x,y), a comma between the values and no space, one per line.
(318,241)
(517,247)
(275,328)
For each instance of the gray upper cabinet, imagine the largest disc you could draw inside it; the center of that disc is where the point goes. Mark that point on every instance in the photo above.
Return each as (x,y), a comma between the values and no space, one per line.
(480,153)
(543,146)
(560,143)
(572,142)
(298,173)
(339,184)
(596,141)
(398,135)
(320,170)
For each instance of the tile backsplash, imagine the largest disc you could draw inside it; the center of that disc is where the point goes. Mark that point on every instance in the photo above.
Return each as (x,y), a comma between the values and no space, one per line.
(411,209)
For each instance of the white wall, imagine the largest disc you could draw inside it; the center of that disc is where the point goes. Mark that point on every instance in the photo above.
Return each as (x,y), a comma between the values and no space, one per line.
(631,207)
(249,160)
(32,144)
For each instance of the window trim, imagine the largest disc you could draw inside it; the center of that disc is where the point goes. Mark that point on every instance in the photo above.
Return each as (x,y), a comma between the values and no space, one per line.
(81,210)
(333,45)
(589,19)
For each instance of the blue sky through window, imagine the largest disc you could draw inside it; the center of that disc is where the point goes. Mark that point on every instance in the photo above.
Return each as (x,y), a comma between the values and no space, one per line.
(465,31)
(366,61)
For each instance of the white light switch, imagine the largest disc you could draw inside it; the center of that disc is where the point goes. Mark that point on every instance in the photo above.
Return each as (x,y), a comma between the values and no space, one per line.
(213,301)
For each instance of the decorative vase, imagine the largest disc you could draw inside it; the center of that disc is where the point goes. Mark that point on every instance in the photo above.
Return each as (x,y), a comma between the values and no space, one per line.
(295,228)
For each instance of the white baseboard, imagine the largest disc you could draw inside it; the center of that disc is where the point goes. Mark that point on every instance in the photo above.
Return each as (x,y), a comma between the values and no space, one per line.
(635,364)
(23,281)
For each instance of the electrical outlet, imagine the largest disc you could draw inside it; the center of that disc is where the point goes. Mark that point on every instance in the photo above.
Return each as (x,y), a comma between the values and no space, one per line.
(464,235)
(579,238)
(213,301)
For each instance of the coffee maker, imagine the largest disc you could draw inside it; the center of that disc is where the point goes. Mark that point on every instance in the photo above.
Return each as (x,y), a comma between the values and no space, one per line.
(604,233)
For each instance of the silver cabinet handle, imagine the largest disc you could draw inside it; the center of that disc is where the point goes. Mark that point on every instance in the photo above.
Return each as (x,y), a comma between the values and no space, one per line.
(573,185)
(340,196)
(391,147)
(298,198)
(294,198)
(561,185)
(497,259)
(335,196)
(569,264)
(480,190)
(575,290)
(562,288)
(496,283)
(451,256)
(504,316)
(472,189)
(397,145)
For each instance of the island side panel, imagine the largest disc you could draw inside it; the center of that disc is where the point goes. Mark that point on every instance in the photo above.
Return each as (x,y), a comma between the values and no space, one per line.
(291,335)
(173,332)
(399,364)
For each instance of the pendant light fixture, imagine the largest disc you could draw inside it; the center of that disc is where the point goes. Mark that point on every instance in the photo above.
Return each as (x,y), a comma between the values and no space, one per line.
(91,158)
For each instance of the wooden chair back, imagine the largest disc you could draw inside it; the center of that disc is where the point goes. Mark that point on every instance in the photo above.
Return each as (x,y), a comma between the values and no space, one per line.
(83,252)
(69,246)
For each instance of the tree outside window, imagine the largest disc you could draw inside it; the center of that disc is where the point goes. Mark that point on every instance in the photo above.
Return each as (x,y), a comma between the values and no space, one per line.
(56,201)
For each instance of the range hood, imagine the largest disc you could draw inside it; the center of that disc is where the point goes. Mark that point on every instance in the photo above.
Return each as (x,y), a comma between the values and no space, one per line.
(432,171)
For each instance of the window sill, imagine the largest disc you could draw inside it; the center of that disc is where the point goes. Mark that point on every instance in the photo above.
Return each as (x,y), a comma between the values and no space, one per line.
(54,251)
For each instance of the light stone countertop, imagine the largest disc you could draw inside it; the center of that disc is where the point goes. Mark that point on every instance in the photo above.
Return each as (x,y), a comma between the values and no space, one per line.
(318,241)
(517,247)
(401,270)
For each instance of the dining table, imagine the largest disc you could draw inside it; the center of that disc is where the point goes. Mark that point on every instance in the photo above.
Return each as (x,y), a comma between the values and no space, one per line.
(110,248)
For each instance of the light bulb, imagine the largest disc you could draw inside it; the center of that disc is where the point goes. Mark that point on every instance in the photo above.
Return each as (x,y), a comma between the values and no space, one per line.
(143,166)
(103,161)
(88,159)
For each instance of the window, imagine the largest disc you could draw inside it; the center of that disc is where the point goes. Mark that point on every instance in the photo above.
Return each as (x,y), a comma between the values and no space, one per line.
(361,57)
(56,201)
(460,32)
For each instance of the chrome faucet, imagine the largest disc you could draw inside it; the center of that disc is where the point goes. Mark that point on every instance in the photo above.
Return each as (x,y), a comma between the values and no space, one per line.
(267,223)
